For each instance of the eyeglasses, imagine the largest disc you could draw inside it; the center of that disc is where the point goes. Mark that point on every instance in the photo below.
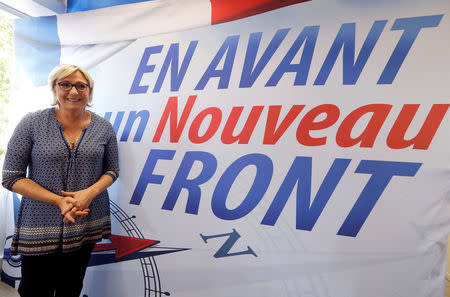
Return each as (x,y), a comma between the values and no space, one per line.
(67,86)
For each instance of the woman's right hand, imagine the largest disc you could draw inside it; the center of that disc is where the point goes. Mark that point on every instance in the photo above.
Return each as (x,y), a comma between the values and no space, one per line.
(66,205)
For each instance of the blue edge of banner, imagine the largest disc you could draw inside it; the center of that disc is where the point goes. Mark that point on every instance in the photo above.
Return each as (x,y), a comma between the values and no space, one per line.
(37,43)
(37,47)
(84,5)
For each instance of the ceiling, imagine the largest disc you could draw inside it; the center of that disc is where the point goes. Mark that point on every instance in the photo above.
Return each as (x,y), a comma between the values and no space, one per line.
(34,8)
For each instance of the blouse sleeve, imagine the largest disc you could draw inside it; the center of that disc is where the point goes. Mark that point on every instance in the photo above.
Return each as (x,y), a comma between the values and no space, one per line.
(18,153)
(111,157)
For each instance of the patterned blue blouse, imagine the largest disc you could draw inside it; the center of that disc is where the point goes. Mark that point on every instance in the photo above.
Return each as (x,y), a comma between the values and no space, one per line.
(38,143)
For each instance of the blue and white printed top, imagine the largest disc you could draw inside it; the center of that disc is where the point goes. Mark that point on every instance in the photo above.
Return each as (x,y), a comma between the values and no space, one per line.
(38,143)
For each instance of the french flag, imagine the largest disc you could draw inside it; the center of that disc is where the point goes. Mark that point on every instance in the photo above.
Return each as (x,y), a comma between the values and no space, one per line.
(92,31)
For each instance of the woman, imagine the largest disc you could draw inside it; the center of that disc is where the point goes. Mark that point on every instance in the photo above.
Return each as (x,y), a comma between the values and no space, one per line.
(71,156)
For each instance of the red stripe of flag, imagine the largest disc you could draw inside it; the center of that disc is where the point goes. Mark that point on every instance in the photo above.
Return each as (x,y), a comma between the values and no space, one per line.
(230,10)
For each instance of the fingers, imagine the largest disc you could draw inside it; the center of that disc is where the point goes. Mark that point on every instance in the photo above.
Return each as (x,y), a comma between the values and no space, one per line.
(71,194)
(68,218)
(66,208)
(81,216)
(82,213)
(67,205)
(77,204)
(71,209)
(70,200)
(75,213)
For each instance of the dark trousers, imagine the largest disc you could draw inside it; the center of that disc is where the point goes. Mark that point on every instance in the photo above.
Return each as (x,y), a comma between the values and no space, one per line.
(54,275)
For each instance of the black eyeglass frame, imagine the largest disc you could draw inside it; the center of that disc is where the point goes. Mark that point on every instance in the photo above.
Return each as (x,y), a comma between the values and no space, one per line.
(77,86)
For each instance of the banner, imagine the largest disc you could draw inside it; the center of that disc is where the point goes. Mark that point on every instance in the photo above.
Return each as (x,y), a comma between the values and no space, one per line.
(294,148)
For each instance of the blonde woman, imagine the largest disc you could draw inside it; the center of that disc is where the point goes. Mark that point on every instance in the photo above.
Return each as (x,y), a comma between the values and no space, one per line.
(71,158)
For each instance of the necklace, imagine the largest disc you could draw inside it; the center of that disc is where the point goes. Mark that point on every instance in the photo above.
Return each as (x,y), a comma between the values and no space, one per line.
(72,141)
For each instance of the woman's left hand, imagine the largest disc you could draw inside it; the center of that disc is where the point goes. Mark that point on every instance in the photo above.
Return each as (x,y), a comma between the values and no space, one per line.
(75,213)
(83,198)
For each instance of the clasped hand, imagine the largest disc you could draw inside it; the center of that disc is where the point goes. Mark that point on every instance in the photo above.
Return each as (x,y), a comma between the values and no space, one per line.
(74,205)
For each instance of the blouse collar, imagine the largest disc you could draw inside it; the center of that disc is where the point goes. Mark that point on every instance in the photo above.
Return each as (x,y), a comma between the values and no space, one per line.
(52,111)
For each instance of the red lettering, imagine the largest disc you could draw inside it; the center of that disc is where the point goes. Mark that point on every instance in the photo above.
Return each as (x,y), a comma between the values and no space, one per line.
(216,117)
(370,133)
(171,111)
(307,124)
(271,134)
(318,118)
(249,126)
(396,137)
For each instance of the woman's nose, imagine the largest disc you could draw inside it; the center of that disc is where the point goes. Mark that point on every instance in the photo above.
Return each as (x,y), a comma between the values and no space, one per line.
(73,90)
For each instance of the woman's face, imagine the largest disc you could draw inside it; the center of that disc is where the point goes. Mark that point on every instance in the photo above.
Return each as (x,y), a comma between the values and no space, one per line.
(71,92)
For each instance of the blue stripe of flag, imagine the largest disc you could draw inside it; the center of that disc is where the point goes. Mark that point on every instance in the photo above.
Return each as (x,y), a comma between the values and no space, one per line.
(37,46)
(84,5)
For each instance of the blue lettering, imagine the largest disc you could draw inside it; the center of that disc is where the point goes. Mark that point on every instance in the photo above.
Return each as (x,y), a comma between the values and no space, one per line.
(176,78)
(224,250)
(132,117)
(308,34)
(300,172)
(411,27)
(181,181)
(229,47)
(117,120)
(136,88)
(382,173)
(346,39)
(264,171)
(249,76)
(147,176)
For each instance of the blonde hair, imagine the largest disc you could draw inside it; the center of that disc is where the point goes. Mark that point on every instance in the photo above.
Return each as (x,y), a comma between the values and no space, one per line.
(64,70)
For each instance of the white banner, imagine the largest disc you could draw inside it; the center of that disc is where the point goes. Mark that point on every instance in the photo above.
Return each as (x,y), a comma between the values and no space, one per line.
(299,151)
